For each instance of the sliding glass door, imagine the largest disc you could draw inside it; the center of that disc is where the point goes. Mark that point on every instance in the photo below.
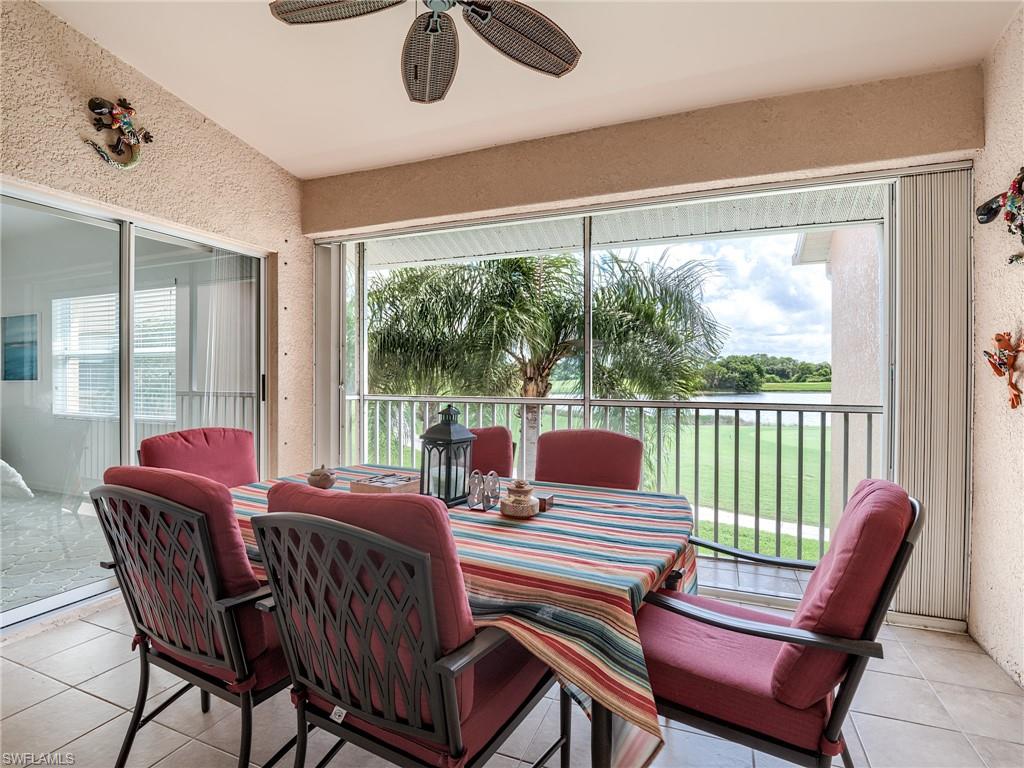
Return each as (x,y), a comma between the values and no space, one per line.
(195,342)
(195,360)
(59,405)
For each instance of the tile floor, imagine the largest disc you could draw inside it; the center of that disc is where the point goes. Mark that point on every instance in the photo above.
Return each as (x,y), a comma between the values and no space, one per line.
(935,700)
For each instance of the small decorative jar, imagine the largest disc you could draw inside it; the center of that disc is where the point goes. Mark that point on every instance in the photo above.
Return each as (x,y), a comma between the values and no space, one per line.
(520,502)
(321,478)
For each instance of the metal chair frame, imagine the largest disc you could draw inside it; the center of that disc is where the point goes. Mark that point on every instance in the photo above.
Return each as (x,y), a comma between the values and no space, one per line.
(343,557)
(860,650)
(212,624)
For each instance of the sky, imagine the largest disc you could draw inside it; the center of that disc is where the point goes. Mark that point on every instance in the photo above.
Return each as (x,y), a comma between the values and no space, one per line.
(766,304)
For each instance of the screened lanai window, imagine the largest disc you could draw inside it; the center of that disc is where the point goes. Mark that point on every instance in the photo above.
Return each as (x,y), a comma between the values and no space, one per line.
(86,362)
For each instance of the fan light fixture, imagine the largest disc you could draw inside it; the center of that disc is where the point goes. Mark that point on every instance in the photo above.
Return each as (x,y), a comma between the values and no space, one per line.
(430,55)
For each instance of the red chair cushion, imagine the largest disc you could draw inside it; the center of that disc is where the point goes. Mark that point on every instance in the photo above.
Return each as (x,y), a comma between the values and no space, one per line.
(493,450)
(722,674)
(594,457)
(219,453)
(504,680)
(266,669)
(420,522)
(843,589)
(233,568)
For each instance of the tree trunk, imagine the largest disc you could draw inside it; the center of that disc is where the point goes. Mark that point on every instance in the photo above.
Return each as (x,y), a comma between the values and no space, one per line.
(536,383)
(531,431)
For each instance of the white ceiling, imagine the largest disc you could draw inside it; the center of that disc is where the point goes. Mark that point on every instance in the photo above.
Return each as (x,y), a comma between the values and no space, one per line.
(328,98)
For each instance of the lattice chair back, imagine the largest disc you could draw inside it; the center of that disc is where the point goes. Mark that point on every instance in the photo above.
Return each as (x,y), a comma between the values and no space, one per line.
(355,613)
(164,563)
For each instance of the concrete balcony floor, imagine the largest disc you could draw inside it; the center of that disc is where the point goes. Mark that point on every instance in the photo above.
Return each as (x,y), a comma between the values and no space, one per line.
(935,700)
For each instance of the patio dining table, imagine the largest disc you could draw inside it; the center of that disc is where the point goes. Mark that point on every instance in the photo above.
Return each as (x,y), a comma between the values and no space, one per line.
(567,585)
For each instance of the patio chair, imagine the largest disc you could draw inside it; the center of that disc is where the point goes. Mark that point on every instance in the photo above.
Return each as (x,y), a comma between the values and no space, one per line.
(594,457)
(181,564)
(493,450)
(373,616)
(223,454)
(769,683)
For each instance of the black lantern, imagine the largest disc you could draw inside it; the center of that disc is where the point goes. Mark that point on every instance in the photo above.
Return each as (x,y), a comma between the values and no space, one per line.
(444,471)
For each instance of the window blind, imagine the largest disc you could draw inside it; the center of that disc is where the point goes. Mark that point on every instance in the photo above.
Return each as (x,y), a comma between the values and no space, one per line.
(85,355)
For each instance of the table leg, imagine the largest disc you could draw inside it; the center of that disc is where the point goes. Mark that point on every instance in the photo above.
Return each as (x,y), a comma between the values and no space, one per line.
(600,736)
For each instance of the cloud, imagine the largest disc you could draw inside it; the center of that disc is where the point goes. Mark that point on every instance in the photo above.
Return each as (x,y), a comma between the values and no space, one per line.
(767,304)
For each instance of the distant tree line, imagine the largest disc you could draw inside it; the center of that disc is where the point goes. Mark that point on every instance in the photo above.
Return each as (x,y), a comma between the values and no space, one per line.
(748,373)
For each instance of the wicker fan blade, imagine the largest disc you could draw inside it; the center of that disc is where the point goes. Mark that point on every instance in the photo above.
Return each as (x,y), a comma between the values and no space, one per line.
(316,11)
(524,35)
(429,57)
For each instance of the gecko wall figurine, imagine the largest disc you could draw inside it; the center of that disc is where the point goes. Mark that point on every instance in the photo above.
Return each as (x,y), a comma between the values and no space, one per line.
(1011,204)
(1003,362)
(129,137)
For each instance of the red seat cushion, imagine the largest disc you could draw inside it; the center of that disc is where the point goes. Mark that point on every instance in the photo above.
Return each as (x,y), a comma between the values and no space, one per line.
(266,669)
(233,569)
(722,674)
(843,589)
(420,522)
(594,457)
(493,450)
(219,453)
(504,680)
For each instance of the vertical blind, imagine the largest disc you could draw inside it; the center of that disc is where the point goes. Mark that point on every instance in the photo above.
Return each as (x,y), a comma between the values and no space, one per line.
(86,361)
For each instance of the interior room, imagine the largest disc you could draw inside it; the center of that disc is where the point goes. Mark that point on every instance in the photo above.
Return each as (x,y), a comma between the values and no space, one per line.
(462,383)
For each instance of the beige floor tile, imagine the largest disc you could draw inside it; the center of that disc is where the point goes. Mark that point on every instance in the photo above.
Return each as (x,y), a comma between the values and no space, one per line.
(50,641)
(21,687)
(903,698)
(515,746)
(186,716)
(956,641)
(273,725)
(974,670)
(195,754)
(50,724)
(984,713)
(896,660)
(114,617)
(689,750)
(547,733)
(998,754)
(83,662)
(318,745)
(120,685)
(897,744)
(99,748)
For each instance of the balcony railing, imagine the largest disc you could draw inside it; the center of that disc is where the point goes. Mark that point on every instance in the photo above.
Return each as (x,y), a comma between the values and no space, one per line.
(766,477)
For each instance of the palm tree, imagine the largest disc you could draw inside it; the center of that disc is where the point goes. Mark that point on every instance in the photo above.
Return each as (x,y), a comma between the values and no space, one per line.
(513,326)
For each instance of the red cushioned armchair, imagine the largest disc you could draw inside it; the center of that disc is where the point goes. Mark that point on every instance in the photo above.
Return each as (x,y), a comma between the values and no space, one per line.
(182,567)
(373,616)
(493,450)
(769,683)
(223,454)
(594,457)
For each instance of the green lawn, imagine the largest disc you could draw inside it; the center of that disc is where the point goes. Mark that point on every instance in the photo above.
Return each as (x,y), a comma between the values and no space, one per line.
(797,386)
(737,470)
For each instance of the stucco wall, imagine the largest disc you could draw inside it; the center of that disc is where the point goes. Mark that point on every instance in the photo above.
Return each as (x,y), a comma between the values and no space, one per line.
(996,609)
(857,362)
(875,125)
(195,176)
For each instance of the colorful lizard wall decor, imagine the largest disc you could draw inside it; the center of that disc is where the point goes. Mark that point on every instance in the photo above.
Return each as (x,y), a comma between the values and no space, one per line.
(1003,362)
(129,136)
(1011,203)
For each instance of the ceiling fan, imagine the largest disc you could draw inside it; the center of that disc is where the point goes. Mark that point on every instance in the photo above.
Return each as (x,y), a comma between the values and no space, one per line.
(431,51)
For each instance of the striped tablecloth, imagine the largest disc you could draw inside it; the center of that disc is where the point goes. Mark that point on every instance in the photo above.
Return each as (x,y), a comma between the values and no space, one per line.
(567,585)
